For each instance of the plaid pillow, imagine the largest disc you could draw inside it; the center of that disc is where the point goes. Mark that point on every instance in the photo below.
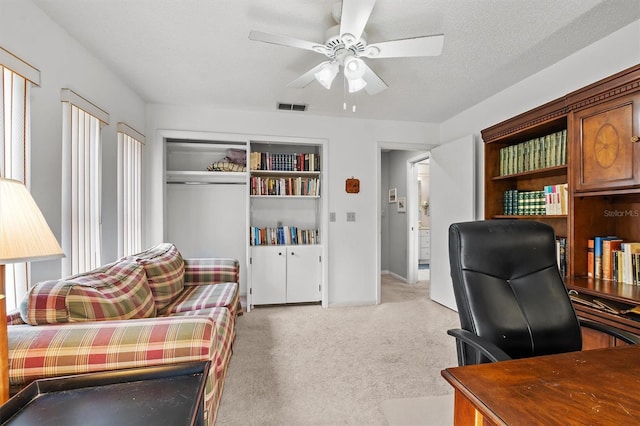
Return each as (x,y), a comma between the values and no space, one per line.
(164,267)
(112,292)
(216,270)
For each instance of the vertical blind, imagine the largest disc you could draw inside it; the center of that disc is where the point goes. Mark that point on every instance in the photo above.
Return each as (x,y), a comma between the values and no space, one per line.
(130,144)
(81,183)
(16,79)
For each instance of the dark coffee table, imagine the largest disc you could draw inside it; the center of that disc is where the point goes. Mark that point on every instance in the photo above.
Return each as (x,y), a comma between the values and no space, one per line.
(164,395)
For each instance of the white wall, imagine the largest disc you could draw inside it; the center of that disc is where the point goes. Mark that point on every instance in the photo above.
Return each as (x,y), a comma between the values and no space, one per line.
(352,146)
(603,58)
(28,33)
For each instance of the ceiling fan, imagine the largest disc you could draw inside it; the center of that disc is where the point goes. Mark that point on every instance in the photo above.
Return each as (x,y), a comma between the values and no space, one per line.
(346,45)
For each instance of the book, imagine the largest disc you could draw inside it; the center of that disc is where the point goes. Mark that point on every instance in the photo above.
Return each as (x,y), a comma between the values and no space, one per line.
(556,199)
(628,249)
(590,258)
(561,255)
(563,190)
(552,155)
(608,245)
(616,260)
(597,254)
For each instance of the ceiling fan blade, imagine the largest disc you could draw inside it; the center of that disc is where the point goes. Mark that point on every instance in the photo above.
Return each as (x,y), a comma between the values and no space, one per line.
(417,46)
(307,77)
(375,84)
(355,14)
(286,41)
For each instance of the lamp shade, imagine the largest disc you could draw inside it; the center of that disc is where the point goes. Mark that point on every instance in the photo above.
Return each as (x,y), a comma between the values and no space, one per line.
(24,233)
(327,74)
(356,85)
(354,68)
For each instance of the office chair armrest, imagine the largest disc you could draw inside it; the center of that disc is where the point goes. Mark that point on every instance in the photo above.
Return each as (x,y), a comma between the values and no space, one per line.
(485,347)
(625,336)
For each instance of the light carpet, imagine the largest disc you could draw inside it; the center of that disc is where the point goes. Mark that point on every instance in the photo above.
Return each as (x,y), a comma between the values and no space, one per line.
(306,365)
(425,411)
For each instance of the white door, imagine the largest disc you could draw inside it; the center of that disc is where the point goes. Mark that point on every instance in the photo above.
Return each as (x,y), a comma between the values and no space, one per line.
(268,275)
(452,199)
(304,274)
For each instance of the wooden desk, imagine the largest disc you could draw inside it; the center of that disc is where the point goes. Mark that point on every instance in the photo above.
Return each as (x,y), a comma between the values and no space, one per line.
(598,387)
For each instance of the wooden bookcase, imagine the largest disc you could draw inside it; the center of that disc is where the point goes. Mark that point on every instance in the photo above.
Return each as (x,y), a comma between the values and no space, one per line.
(602,121)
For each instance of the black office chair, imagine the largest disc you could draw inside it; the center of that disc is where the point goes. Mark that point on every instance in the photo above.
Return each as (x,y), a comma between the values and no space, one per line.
(511,299)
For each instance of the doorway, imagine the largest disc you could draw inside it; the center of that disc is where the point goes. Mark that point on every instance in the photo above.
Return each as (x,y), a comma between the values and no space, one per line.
(398,211)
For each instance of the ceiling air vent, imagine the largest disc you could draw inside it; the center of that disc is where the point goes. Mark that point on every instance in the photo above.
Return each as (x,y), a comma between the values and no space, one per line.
(291,107)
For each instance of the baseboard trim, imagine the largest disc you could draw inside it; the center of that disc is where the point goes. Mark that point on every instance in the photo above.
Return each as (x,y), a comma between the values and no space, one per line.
(396,276)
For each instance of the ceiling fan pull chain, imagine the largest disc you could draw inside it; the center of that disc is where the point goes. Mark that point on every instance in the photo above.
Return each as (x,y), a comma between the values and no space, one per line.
(344,93)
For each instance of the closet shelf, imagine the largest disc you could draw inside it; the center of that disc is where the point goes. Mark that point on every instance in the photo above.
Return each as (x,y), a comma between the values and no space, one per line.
(204,177)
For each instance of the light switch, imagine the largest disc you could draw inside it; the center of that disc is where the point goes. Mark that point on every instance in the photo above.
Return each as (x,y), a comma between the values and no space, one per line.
(351,216)
(332,216)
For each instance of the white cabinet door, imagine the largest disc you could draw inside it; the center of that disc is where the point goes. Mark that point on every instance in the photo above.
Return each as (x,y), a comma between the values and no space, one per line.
(304,274)
(268,275)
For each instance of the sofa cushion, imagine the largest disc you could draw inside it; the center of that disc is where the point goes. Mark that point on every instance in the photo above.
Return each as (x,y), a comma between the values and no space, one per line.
(111,292)
(165,272)
(204,297)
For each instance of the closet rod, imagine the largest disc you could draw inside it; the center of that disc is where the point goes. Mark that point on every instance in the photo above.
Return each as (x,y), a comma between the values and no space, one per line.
(206,183)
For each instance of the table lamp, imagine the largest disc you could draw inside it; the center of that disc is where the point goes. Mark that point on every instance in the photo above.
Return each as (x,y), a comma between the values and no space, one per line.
(24,237)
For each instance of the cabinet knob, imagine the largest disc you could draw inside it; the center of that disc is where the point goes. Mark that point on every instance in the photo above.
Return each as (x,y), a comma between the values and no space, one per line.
(292,253)
(635,139)
(279,253)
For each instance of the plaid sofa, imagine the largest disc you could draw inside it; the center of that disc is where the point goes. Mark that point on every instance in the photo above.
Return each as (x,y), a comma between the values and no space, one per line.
(147,309)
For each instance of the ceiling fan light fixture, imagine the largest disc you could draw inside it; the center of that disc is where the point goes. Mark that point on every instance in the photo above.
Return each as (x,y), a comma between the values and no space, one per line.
(354,68)
(327,74)
(355,85)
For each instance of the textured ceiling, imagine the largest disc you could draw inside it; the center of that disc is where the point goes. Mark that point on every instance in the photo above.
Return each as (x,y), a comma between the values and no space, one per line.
(197,52)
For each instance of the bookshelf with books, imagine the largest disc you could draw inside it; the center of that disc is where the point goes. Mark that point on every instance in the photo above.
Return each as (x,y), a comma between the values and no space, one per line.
(520,171)
(602,177)
(286,217)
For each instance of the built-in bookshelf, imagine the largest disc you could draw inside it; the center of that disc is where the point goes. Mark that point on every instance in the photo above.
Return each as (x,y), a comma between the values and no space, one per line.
(595,160)
(285,187)
(286,216)
(519,191)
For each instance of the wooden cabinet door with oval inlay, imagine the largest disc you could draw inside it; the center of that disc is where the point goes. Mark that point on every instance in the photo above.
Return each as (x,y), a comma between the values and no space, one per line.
(607,145)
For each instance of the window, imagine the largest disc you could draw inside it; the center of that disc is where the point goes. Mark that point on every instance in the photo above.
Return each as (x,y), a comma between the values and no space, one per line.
(16,79)
(81,183)
(130,144)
